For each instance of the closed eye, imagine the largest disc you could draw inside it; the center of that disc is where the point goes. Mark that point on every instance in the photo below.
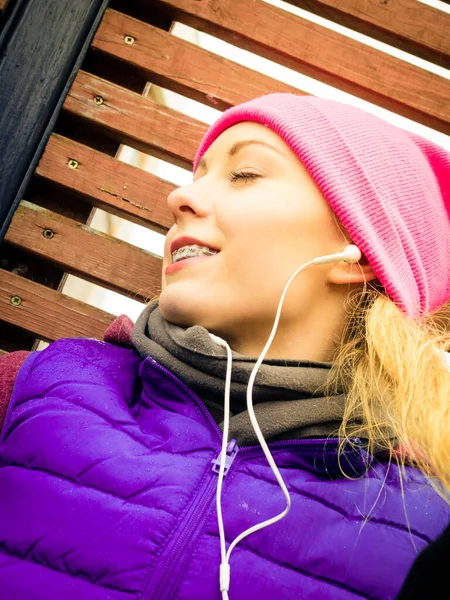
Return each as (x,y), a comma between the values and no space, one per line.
(244,176)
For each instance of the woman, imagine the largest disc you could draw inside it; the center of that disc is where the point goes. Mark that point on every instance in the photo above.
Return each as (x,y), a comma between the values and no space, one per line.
(111,455)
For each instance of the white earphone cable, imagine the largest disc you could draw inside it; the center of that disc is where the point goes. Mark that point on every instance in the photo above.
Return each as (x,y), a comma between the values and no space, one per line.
(256,427)
(351,254)
(224,566)
(225,557)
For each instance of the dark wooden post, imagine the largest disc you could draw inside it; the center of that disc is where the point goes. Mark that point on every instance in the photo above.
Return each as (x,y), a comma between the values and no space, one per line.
(41,48)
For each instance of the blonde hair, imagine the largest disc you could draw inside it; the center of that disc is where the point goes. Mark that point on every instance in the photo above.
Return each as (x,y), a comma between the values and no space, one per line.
(392,370)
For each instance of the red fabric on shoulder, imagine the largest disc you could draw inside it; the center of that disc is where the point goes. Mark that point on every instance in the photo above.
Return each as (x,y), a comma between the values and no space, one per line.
(119,332)
(9,367)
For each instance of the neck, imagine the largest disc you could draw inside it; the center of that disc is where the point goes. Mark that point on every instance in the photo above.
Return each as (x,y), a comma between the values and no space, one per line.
(313,338)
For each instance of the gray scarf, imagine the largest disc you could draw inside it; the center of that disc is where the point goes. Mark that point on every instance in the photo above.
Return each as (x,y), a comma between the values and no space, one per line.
(288,395)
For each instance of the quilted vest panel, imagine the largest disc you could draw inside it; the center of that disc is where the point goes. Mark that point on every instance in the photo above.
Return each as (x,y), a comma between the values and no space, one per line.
(107,491)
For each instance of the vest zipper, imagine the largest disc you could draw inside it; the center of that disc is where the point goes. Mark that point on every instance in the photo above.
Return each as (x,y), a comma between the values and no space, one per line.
(197,514)
(162,587)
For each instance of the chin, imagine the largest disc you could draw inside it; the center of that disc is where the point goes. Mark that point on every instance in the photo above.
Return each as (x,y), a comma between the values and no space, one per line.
(174,310)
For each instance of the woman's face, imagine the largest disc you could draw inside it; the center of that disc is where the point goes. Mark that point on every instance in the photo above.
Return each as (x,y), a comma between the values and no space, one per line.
(253,202)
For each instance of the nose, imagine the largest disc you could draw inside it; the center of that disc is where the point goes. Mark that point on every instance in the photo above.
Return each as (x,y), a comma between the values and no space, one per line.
(189,200)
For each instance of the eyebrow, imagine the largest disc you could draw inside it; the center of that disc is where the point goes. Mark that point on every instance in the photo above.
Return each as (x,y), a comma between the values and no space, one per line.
(237,146)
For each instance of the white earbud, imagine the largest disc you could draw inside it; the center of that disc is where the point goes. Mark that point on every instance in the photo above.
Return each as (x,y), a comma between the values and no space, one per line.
(351,254)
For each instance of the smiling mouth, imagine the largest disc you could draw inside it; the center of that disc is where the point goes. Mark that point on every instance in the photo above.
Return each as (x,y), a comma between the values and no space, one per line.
(191,251)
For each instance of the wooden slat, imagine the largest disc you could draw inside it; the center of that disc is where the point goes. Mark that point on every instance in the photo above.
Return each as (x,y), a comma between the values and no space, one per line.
(181,66)
(136,121)
(407,24)
(321,53)
(43,44)
(46,313)
(108,183)
(80,250)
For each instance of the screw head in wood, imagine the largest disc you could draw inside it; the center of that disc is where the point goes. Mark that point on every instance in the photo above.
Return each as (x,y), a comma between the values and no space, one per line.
(48,234)
(129,39)
(16,300)
(98,100)
(73,164)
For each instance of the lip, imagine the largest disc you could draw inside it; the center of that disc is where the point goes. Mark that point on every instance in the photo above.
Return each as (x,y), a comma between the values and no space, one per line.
(187,241)
(187,262)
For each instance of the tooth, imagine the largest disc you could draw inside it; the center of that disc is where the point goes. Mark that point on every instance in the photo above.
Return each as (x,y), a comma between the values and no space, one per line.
(194,249)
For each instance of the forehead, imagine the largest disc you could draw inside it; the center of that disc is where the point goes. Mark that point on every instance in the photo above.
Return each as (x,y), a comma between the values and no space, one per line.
(245,131)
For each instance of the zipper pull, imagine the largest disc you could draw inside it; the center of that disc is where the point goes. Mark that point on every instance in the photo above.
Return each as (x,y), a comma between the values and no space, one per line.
(232,450)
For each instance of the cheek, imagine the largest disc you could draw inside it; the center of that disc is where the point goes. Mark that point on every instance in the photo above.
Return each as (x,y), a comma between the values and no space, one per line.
(166,258)
(169,239)
(170,235)
(163,278)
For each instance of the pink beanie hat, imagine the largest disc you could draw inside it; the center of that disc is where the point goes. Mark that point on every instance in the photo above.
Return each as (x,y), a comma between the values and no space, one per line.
(389,188)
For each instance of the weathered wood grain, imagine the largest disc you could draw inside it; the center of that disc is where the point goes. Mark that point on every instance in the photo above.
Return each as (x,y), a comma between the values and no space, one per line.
(107,183)
(181,66)
(82,251)
(321,53)
(412,26)
(134,120)
(46,313)
(43,45)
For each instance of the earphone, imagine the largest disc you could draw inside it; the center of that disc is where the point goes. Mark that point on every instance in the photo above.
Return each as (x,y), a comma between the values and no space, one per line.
(350,254)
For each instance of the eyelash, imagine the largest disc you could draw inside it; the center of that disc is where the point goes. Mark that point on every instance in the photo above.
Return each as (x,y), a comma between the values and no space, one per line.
(234,176)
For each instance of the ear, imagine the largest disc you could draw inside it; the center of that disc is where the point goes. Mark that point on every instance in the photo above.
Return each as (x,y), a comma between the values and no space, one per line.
(345,273)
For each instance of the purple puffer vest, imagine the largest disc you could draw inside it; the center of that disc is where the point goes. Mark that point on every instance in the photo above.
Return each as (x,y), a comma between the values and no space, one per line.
(107,491)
